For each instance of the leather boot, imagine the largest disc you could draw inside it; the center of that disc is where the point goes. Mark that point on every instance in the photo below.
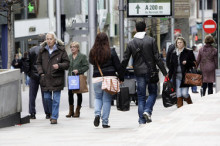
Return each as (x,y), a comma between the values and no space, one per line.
(179,102)
(71,111)
(188,100)
(77,113)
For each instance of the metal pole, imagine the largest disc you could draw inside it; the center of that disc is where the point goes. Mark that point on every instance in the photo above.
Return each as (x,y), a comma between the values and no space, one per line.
(92,35)
(25,10)
(158,34)
(172,23)
(121,27)
(172,30)
(23,80)
(203,7)
(58,19)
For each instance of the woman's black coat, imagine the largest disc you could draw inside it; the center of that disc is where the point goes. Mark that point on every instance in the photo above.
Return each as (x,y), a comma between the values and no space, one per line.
(186,55)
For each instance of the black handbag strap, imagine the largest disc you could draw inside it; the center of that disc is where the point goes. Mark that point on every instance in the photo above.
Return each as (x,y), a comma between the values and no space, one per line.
(139,50)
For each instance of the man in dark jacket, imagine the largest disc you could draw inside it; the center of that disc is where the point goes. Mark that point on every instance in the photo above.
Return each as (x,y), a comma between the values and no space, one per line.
(142,71)
(51,65)
(30,67)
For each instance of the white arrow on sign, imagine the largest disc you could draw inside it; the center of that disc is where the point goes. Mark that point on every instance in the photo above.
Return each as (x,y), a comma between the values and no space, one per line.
(209,26)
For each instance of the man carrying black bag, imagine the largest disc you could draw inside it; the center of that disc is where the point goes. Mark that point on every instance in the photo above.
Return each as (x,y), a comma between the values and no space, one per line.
(145,55)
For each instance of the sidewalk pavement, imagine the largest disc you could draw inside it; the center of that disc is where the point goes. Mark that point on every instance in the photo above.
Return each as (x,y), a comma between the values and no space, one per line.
(191,125)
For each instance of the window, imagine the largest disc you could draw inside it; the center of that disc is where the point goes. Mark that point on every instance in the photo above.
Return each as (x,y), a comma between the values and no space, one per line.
(209,4)
(200,5)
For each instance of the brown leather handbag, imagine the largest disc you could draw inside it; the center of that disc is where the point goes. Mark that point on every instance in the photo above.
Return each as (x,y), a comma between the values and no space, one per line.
(83,85)
(193,77)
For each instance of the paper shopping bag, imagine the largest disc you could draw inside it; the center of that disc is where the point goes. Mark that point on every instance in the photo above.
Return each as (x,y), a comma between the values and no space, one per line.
(73,82)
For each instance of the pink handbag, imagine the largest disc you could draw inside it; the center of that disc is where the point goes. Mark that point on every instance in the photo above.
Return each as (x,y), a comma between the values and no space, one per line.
(109,85)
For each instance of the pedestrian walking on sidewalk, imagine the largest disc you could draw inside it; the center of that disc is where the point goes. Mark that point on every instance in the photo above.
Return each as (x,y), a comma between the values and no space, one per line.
(16,62)
(195,52)
(101,54)
(182,59)
(170,50)
(144,49)
(208,61)
(51,65)
(23,60)
(78,66)
(30,67)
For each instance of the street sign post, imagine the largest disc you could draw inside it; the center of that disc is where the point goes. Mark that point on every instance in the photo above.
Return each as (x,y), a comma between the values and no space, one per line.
(146,8)
(209,26)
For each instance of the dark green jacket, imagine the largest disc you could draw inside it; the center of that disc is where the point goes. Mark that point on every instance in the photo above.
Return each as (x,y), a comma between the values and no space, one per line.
(80,63)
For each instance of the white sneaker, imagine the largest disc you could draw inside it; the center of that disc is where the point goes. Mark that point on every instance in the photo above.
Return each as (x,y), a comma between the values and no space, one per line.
(141,125)
(147,117)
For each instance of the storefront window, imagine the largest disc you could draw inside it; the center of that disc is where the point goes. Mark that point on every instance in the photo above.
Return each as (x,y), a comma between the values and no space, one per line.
(29,9)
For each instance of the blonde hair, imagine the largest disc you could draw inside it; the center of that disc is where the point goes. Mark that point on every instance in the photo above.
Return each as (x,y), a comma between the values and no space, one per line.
(182,39)
(76,44)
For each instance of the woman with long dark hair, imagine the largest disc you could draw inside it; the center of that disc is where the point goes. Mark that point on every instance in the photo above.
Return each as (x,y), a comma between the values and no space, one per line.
(101,54)
(182,60)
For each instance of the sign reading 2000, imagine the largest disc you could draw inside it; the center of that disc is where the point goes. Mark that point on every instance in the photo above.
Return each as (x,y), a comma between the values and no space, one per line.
(149,8)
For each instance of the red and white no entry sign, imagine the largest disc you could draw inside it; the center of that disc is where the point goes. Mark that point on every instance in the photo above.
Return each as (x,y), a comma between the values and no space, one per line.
(209,26)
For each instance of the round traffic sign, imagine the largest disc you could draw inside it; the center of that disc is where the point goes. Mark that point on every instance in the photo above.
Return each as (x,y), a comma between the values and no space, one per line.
(209,26)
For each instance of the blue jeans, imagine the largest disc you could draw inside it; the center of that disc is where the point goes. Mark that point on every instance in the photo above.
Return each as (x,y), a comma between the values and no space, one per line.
(102,103)
(183,91)
(33,89)
(143,104)
(54,103)
(194,88)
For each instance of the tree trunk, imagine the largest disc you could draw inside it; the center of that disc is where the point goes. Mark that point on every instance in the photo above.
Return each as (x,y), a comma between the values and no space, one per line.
(10,37)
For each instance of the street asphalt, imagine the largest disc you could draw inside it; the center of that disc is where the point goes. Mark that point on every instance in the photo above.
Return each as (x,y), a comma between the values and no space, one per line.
(197,124)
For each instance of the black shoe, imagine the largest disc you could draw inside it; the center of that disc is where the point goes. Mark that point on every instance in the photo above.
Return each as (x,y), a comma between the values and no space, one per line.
(32,116)
(53,121)
(201,92)
(47,116)
(97,121)
(105,126)
(147,117)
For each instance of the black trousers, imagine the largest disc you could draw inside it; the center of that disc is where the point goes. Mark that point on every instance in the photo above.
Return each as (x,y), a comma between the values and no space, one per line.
(33,89)
(71,98)
(210,88)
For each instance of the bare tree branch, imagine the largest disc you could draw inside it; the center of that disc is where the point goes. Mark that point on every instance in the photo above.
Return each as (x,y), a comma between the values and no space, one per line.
(4,8)
(3,15)
(21,7)
(17,1)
